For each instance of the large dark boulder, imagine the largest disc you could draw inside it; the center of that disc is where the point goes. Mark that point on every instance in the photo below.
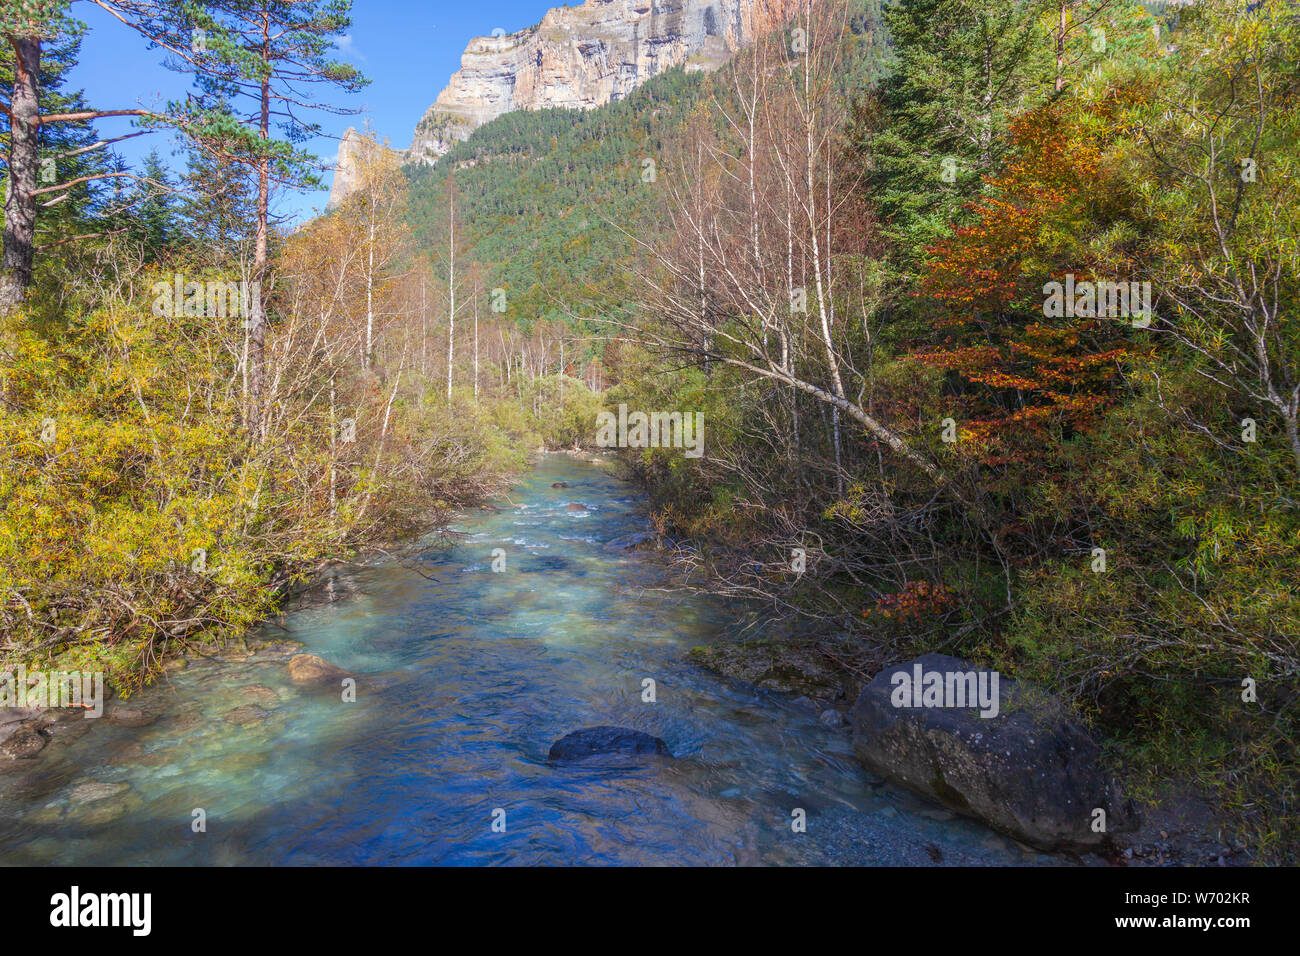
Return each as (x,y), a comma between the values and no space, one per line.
(606,741)
(1032,771)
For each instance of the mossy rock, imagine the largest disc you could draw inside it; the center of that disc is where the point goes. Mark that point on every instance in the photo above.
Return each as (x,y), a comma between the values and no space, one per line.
(786,666)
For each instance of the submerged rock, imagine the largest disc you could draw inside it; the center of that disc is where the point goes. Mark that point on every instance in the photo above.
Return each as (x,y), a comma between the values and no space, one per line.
(601,741)
(23,744)
(630,542)
(247,714)
(310,669)
(832,718)
(1031,770)
(789,666)
(575,506)
(129,717)
(560,484)
(258,694)
(278,650)
(91,792)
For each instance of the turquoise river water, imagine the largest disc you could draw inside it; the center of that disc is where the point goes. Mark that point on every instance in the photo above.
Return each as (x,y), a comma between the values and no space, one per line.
(466,677)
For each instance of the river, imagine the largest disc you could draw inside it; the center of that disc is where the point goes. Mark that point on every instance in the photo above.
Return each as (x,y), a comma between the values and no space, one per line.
(466,677)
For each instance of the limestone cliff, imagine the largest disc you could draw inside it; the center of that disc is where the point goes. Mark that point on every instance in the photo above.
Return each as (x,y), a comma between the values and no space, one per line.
(583,57)
(354,150)
(577,57)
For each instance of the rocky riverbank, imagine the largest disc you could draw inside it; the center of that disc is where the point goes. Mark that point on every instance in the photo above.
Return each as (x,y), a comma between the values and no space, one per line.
(29,733)
(1028,776)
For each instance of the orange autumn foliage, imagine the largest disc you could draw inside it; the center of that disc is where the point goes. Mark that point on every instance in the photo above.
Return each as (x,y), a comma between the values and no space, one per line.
(1024,375)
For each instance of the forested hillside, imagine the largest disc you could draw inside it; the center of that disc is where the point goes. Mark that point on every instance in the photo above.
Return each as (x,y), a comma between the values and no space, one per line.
(552,201)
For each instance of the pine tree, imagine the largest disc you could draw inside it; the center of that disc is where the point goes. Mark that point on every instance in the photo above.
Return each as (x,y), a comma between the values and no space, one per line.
(219,208)
(964,68)
(255,63)
(153,215)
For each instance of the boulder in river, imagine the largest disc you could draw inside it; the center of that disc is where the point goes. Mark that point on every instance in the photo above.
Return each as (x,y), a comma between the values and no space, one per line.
(576,506)
(1029,769)
(606,741)
(560,484)
(310,669)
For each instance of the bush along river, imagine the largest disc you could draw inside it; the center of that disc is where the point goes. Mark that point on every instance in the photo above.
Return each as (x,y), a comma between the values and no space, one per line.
(465,678)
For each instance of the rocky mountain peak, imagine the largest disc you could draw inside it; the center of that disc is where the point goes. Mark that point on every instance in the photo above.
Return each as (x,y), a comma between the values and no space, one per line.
(578,57)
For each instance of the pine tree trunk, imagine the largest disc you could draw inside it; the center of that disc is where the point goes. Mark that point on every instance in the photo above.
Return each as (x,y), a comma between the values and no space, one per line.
(24,155)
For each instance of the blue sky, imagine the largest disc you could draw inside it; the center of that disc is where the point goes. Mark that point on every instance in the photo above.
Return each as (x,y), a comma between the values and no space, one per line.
(408,49)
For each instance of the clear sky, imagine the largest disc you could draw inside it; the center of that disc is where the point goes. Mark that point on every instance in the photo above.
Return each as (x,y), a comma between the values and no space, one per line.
(408,49)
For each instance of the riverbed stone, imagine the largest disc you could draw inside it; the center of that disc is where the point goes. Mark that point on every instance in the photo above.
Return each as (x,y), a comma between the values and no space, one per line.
(1033,771)
(12,718)
(50,813)
(23,744)
(278,651)
(258,694)
(832,719)
(124,716)
(67,730)
(247,714)
(605,741)
(100,814)
(95,790)
(310,669)
(790,666)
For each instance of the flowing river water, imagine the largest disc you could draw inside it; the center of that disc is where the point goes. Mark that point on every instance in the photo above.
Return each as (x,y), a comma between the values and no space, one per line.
(466,678)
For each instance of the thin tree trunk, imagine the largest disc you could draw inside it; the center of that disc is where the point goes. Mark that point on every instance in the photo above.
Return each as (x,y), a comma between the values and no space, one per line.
(333,454)
(368,359)
(1060,45)
(257,317)
(451,289)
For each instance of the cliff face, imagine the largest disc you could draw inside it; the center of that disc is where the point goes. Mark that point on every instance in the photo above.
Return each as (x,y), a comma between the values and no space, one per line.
(355,149)
(583,57)
(577,57)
